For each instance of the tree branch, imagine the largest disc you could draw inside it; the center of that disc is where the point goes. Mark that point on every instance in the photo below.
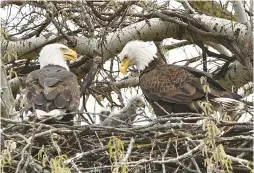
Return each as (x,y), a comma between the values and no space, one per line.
(114,41)
(7,100)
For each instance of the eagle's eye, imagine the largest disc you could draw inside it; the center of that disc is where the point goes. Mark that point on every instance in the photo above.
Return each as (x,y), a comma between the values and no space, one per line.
(125,57)
(63,49)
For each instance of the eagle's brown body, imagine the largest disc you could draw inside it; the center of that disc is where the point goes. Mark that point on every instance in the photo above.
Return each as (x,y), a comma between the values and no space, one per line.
(53,87)
(176,88)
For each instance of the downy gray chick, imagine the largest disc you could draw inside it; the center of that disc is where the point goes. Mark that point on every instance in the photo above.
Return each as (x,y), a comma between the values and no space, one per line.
(127,114)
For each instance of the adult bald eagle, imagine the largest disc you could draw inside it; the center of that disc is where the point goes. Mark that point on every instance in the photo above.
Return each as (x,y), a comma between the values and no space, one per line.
(174,88)
(53,90)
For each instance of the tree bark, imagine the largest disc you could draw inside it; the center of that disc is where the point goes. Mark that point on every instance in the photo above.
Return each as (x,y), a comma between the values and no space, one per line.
(7,100)
(236,75)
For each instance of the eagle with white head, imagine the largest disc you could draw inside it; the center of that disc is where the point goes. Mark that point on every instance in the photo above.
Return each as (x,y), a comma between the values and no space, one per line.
(53,90)
(172,88)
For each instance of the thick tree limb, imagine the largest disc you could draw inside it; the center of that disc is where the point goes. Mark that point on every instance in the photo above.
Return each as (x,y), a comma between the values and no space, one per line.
(7,100)
(236,75)
(16,83)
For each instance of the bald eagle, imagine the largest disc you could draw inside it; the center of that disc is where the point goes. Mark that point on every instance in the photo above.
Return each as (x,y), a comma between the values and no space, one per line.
(171,88)
(53,90)
(125,115)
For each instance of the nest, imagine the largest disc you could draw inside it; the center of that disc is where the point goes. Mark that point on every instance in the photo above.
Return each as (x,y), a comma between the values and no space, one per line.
(167,144)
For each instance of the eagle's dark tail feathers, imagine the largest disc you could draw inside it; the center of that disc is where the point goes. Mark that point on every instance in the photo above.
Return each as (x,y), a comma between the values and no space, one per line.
(235,96)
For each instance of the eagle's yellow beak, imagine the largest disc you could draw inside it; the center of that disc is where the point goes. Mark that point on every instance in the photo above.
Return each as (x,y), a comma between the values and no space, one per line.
(69,54)
(126,62)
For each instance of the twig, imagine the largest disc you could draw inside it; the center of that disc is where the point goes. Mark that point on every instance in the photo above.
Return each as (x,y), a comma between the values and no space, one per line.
(239,160)
(56,130)
(245,143)
(80,155)
(22,158)
(187,6)
(71,40)
(118,85)
(169,160)
(177,45)
(183,156)
(164,154)
(194,160)
(87,81)
(79,144)
(75,167)
(30,148)
(16,135)
(233,138)
(249,150)
(117,13)
(132,141)
(166,113)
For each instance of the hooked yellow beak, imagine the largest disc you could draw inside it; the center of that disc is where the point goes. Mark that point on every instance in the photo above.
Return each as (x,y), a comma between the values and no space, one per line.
(69,54)
(126,62)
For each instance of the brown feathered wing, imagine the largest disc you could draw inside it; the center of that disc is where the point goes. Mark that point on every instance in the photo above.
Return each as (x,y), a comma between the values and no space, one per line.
(174,88)
(52,87)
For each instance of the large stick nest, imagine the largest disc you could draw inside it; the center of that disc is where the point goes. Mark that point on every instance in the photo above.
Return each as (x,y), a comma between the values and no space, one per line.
(167,144)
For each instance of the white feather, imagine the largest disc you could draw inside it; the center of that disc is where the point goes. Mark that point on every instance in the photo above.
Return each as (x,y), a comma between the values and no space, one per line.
(52,55)
(56,113)
(142,53)
(229,104)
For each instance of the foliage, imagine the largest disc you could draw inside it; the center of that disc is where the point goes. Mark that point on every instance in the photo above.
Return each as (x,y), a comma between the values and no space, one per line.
(213,8)
(10,55)
(116,154)
(6,158)
(57,164)
(42,156)
(215,156)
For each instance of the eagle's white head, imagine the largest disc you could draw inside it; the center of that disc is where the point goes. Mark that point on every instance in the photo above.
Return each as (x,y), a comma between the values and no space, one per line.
(56,54)
(137,53)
